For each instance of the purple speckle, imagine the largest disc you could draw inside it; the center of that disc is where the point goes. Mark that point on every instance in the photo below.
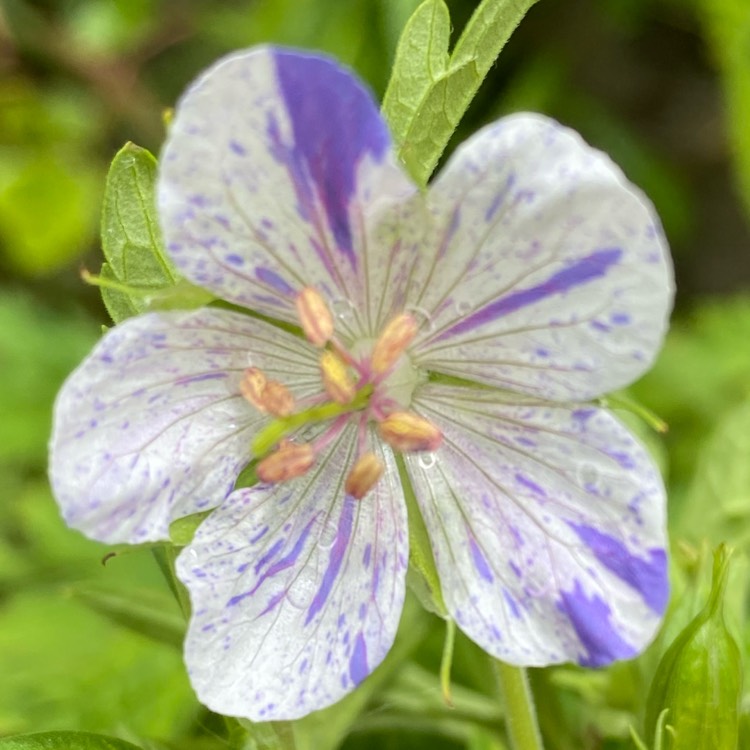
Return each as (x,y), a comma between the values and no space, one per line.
(237,147)
(619,319)
(235,260)
(480,562)
(529,484)
(358,668)
(267,276)
(366,556)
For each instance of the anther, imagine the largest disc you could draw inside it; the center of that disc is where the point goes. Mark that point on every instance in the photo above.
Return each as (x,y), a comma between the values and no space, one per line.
(288,461)
(267,396)
(314,315)
(336,379)
(364,475)
(406,431)
(394,339)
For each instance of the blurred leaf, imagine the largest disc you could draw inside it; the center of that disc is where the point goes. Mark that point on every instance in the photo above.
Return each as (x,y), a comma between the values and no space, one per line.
(717,505)
(37,351)
(131,240)
(148,612)
(728,27)
(445,88)
(47,212)
(64,741)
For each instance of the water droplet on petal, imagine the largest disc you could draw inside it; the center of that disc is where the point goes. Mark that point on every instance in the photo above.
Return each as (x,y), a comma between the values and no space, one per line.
(303,588)
(423,318)
(462,307)
(427,460)
(343,309)
(587,474)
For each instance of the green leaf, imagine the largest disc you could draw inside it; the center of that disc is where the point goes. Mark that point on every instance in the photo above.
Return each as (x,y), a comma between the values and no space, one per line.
(64,741)
(422,576)
(131,240)
(144,611)
(429,90)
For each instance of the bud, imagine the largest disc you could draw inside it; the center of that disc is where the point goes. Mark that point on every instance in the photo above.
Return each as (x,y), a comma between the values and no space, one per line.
(394,339)
(405,431)
(288,461)
(364,475)
(336,378)
(314,315)
(699,678)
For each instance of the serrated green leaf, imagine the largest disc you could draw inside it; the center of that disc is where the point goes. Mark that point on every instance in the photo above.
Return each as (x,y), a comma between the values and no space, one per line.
(146,612)
(131,240)
(65,741)
(428,92)
(421,59)
(182,530)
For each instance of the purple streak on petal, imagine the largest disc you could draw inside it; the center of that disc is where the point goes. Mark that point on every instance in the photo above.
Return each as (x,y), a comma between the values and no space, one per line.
(335,124)
(581,272)
(237,147)
(511,602)
(259,535)
(198,378)
(480,562)
(619,319)
(273,279)
(273,602)
(272,552)
(590,620)
(358,668)
(366,556)
(235,260)
(647,577)
(499,199)
(335,559)
(291,558)
(533,486)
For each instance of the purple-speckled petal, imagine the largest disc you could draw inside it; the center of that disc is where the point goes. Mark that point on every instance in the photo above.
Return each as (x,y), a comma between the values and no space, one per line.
(152,427)
(296,589)
(547,272)
(278,173)
(547,524)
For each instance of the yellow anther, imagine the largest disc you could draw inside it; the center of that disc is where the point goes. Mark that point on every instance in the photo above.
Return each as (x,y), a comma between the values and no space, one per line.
(267,396)
(336,379)
(405,431)
(364,475)
(394,339)
(314,315)
(289,461)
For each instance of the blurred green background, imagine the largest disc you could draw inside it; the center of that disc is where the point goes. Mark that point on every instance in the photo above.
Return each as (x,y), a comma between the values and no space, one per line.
(662,85)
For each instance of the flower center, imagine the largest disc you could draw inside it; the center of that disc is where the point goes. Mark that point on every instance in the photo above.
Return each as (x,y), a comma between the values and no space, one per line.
(371,381)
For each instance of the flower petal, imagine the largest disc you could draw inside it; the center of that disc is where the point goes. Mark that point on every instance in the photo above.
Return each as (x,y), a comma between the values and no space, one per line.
(152,426)
(296,590)
(278,173)
(548,527)
(550,274)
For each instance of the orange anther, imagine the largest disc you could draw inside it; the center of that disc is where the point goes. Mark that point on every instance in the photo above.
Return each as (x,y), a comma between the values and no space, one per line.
(406,431)
(364,475)
(394,339)
(314,315)
(288,461)
(278,399)
(336,379)
(252,385)
(267,396)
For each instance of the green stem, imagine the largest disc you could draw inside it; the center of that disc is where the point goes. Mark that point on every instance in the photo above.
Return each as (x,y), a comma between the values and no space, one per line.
(520,714)
(447,661)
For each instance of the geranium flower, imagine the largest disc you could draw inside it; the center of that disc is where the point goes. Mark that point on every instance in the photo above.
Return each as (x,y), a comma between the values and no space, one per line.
(465,330)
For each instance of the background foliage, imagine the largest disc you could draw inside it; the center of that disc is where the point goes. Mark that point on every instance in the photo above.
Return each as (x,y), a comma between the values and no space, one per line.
(661,85)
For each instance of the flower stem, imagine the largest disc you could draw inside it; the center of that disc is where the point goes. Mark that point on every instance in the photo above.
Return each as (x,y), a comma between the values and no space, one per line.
(520,714)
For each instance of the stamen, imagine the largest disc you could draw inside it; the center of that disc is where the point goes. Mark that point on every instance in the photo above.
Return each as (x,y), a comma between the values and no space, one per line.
(288,461)
(394,339)
(364,475)
(314,315)
(406,431)
(267,396)
(336,379)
